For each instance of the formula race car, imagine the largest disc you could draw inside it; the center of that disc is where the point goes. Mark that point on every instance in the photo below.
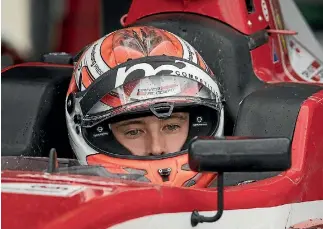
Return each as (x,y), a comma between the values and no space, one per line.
(269,164)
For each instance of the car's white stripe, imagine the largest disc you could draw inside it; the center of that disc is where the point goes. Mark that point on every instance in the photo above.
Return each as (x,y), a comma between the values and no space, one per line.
(279,217)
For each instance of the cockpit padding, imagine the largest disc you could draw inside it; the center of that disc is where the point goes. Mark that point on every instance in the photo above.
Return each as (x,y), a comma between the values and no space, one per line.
(33,117)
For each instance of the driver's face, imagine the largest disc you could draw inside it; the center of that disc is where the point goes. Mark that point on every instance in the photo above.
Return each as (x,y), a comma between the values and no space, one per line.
(152,136)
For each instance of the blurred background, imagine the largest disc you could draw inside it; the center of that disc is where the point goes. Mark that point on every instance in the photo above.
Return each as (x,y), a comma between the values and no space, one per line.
(33,27)
(30,28)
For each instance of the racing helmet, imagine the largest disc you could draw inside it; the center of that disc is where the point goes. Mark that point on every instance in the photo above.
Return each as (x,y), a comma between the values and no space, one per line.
(137,72)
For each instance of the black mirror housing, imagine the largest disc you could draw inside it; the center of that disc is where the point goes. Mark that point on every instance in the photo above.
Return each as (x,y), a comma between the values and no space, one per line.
(239,154)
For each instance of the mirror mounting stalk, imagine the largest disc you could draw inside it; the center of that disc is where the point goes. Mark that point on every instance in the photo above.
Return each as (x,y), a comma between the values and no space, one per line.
(197,218)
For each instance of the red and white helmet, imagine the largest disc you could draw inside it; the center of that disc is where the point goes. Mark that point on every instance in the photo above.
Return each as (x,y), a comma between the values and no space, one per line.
(134,72)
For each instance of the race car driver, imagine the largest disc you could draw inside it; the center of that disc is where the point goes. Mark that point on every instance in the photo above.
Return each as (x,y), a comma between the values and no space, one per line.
(137,97)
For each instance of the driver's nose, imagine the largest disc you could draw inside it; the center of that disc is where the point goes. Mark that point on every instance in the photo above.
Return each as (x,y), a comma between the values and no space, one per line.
(157,144)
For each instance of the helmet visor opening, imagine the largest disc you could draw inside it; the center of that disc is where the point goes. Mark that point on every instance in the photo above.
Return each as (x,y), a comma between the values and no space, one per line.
(203,121)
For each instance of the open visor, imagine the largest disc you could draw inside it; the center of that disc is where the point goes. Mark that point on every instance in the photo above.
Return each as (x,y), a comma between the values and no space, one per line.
(154,95)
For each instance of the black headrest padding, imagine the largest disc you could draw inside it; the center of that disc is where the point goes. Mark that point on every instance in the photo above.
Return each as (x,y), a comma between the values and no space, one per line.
(33,113)
(273,110)
(225,50)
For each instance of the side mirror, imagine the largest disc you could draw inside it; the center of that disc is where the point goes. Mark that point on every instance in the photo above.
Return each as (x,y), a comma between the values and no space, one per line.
(239,154)
(236,154)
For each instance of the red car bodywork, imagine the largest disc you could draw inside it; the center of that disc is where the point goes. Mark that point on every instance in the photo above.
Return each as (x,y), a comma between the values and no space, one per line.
(103,202)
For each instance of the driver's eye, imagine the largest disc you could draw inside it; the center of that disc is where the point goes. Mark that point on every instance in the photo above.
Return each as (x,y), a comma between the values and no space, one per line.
(171,127)
(133,133)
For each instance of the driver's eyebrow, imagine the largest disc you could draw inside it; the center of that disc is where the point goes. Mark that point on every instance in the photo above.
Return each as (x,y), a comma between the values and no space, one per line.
(178,116)
(134,122)
(130,122)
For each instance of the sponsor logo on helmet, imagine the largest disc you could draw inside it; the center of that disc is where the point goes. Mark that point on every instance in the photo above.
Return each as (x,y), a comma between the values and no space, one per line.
(93,60)
(100,132)
(177,68)
(199,122)
(157,90)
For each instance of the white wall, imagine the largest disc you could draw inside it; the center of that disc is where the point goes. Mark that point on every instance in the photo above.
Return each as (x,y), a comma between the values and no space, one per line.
(15,25)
